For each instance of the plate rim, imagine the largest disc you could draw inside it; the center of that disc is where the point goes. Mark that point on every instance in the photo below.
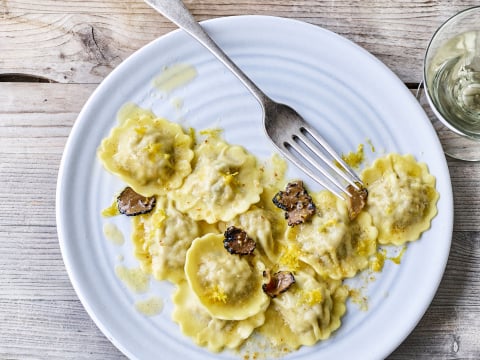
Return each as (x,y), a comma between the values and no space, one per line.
(61,231)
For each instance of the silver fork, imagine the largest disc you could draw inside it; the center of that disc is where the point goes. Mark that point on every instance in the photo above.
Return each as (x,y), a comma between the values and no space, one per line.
(290,133)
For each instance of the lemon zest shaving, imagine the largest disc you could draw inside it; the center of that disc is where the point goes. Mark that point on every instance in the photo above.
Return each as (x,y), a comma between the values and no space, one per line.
(217,294)
(311,297)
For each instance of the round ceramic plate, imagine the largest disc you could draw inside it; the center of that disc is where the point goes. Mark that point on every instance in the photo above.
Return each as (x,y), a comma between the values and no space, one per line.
(342,90)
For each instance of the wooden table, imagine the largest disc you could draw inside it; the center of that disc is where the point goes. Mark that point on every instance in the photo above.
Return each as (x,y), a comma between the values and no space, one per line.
(52,56)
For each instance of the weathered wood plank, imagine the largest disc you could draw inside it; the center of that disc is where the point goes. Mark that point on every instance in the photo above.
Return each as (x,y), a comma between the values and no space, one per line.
(451,326)
(82,41)
(40,314)
(466,204)
(52,329)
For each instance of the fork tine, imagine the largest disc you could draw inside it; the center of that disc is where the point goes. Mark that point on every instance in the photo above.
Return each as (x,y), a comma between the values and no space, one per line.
(354,180)
(351,179)
(305,156)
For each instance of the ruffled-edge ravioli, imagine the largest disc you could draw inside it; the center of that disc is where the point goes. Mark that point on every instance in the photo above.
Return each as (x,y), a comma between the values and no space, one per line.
(229,286)
(161,240)
(307,312)
(196,322)
(225,181)
(150,154)
(331,243)
(402,198)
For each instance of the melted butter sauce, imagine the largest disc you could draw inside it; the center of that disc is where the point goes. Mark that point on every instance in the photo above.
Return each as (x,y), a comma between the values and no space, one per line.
(113,234)
(377,263)
(174,76)
(150,307)
(177,103)
(134,278)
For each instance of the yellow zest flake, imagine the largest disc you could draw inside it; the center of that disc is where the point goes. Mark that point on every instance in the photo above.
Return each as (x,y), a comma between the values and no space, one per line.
(211,132)
(112,210)
(154,154)
(397,259)
(192,134)
(154,148)
(217,294)
(355,159)
(358,298)
(378,261)
(311,297)
(230,178)
(140,130)
(372,147)
(362,247)
(291,257)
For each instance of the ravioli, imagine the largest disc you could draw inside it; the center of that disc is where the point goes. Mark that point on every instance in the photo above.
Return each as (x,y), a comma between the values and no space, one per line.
(162,238)
(150,154)
(201,189)
(224,183)
(331,243)
(228,286)
(402,198)
(216,334)
(310,311)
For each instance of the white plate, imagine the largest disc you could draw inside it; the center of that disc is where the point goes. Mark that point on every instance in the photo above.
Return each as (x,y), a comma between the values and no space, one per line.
(344,91)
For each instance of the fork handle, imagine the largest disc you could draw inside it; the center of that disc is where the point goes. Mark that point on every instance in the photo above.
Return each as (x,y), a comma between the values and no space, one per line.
(176,12)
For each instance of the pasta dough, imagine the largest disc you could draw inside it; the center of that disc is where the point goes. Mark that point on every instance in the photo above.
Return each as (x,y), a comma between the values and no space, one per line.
(228,286)
(331,243)
(402,198)
(162,238)
(150,154)
(206,330)
(224,183)
(310,312)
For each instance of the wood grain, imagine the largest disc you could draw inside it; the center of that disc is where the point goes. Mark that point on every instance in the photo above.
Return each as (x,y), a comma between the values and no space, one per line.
(82,41)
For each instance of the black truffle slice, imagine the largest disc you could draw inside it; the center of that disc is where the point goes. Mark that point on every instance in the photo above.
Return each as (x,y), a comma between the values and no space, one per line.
(296,202)
(277,283)
(357,200)
(238,242)
(130,203)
